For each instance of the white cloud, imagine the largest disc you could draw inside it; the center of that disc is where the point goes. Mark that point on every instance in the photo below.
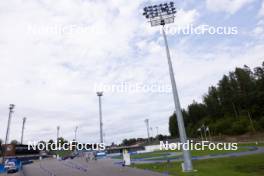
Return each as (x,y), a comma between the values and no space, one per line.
(230,6)
(261,11)
(186,17)
(258,31)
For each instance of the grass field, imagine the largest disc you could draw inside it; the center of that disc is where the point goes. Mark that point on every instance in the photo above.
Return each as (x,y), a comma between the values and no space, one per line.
(164,154)
(251,144)
(215,152)
(252,165)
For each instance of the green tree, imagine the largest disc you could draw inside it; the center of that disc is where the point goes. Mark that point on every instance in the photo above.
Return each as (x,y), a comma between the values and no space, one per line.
(234,106)
(196,112)
(173,126)
(212,103)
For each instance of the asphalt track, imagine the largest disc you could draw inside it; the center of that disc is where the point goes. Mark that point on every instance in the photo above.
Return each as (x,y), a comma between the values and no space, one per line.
(79,167)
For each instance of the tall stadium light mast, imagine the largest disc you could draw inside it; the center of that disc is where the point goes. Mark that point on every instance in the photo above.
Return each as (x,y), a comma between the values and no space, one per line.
(75,133)
(100,94)
(23,128)
(160,15)
(147,125)
(151,132)
(58,133)
(11,111)
(157,130)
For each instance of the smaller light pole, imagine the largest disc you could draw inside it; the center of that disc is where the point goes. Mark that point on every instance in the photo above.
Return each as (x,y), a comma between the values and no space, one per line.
(23,128)
(11,108)
(100,94)
(204,129)
(157,129)
(208,130)
(75,133)
(201,133)
(58,133)
(147,125)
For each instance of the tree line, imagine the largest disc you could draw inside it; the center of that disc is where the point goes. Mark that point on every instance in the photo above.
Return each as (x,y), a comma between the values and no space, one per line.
(143,141)
(234,106)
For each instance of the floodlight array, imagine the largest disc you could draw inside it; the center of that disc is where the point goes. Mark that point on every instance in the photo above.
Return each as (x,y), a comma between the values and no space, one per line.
(160,14)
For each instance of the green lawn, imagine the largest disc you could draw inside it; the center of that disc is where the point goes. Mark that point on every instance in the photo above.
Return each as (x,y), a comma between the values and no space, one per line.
(251,144)
(201,153)
(215,152)
(252,165)
(164,155)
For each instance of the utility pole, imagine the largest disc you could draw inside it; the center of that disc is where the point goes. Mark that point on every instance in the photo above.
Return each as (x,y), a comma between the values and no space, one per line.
(100,94)
(147,125)
(58,133)
(11,108)
(204,129)
(157,129)
(75,133)
(11,111)
(201,133)
(23,128)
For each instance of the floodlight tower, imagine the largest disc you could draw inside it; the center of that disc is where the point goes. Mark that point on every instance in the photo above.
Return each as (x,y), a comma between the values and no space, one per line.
(58,133)
(100,94)
(11,108)
(23,128)
(151,132)
(75,133)
(157,129)
(160,15)
(147,125)
(11,111)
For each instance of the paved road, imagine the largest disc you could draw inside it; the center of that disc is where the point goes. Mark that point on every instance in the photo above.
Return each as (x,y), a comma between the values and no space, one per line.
(78,167)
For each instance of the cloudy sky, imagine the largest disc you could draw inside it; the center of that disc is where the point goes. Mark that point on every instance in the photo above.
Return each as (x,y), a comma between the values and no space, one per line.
(53,53)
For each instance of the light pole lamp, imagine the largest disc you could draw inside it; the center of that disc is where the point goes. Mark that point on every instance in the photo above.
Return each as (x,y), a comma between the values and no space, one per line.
(58,133)
(157,129)
(100,94)
(75,133)
(11,110)
(23,128)
(147,125)
(151,132)
(160,15)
